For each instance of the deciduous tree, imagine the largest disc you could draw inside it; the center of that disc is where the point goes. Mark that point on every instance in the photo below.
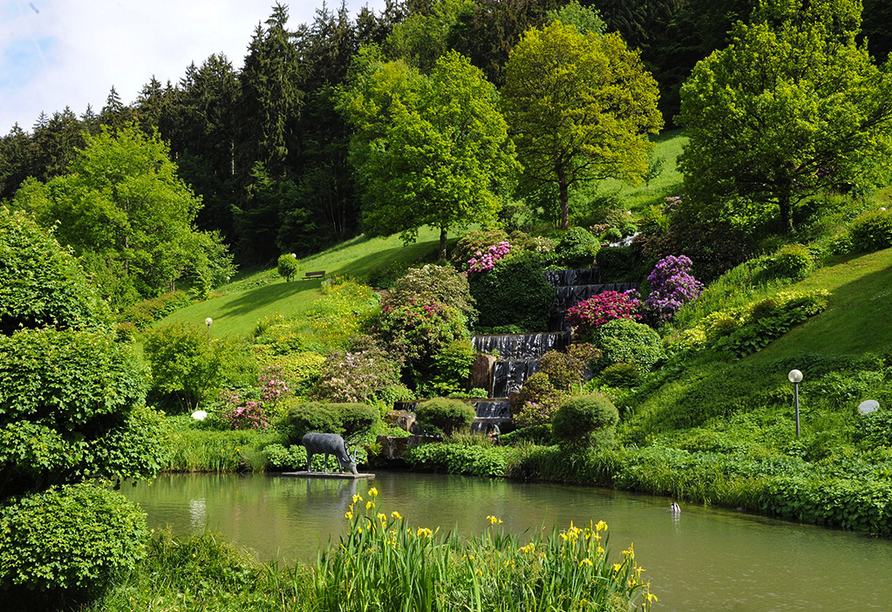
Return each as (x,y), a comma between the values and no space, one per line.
(791,107)
(580,107)
(429,150)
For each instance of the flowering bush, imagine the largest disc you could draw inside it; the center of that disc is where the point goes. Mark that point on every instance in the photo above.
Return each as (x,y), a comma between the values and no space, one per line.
(272,385)
(356,376)
(419,329)
(486,260)
(537,401)
(671,286)
(242,414)
(590,314)
(566,369)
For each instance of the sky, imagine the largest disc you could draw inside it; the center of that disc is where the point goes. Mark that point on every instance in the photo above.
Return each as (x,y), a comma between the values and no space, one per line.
(58,53)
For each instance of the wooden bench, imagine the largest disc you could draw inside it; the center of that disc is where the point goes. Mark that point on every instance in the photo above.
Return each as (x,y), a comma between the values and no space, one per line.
(319,274)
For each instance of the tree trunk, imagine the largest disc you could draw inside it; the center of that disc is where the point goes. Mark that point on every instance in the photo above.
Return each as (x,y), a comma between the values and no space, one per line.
(442,243)
(786,211)
(565,199)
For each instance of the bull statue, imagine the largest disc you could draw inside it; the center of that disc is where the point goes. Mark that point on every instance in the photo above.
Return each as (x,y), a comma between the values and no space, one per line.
(329,444)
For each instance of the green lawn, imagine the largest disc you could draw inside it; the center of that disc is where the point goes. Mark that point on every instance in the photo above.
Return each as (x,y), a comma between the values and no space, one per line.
(859,315)
(265,293)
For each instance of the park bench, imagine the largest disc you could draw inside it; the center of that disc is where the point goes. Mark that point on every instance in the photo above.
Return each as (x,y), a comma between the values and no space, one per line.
(319,274)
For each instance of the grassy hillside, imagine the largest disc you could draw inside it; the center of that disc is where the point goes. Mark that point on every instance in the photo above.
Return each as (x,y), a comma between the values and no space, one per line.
(236,308)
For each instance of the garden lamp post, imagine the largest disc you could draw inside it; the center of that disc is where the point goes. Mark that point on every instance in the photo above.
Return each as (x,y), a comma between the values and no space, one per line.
(795,377)
(208,322)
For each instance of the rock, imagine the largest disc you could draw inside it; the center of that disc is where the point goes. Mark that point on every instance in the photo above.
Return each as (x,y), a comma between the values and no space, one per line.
(400,418)
(481,371)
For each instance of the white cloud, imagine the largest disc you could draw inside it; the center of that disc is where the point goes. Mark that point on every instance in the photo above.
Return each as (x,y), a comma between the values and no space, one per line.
(57,53)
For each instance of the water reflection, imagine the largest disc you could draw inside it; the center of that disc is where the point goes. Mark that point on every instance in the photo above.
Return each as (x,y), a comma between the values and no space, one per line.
(698,560)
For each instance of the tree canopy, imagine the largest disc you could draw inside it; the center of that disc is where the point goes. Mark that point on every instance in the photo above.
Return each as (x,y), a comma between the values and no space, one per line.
(792,106)
(428,150)
(124,209)
(580,107)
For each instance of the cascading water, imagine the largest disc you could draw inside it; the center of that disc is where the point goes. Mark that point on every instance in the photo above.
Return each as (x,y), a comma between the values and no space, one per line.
(518,354)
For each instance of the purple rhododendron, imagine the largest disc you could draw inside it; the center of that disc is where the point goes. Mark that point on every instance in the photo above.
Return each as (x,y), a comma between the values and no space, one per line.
(671,286)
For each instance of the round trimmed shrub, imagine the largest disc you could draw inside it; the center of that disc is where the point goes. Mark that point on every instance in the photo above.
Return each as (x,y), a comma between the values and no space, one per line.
(792,261)
(442,415)
(621,375)
(580,417)
(625,341)
(69,542)
(577,248)
(441,284)
(872,231)
(288,266)
(302,418)
(514,293)
(356,418)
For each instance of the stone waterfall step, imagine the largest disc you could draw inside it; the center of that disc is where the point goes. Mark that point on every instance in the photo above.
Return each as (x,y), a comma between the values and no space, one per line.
(521,346)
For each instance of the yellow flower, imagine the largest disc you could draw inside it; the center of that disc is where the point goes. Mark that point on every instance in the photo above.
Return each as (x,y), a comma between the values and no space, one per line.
(586,561)
(424,531)
(396,515)
(601,526)
(370,505)
(348,515)
(373,492)
(494,520)
(617,567)
(357,498)
(528,548)
(651,597)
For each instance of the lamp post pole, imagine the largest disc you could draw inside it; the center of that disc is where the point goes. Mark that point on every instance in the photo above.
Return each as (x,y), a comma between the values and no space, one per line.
(208,322)
(795,377)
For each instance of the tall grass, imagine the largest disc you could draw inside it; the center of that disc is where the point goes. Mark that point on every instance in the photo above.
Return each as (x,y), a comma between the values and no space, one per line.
(384,564)
(198,450)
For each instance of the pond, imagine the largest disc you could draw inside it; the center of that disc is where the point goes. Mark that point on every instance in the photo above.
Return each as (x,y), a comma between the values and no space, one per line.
(702,559)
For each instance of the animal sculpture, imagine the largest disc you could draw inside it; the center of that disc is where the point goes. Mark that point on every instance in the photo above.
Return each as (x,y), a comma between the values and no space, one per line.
(329,444)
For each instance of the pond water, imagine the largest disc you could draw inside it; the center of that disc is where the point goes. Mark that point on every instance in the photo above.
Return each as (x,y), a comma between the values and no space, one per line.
(702,559)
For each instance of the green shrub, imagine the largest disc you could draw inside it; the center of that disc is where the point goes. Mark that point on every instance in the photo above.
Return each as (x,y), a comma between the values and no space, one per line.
(537,401)
(288,266)
(622,264)
(356,376)
(452,367)
(441,284)
(356,418)
(576,248)
(534,434)
(625,341)
(444,416)
(624,375)
(302,418)
(472,460)
(75,540)
(145,312)
(384,277)
(189,367)
(514,293)
(581,417)
(41,283)
(567,369)
(874,429)
(792,261)
(714,247)
(871,231)
(612,234)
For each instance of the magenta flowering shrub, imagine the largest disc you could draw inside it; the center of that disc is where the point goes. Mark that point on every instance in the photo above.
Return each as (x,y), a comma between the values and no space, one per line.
(671,286)
(588,315)
(242,414)
(486,260)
